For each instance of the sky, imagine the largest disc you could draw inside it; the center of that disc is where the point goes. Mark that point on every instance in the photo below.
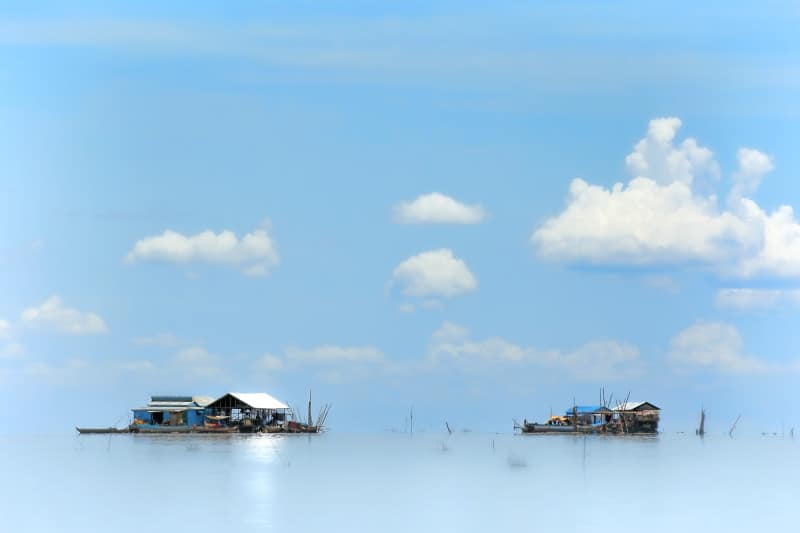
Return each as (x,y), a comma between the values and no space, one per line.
(481,212)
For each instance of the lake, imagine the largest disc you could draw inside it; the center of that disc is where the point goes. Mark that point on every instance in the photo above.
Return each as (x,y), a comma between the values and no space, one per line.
(399,482)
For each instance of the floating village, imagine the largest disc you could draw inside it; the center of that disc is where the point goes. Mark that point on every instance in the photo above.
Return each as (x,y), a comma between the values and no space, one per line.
(258,412)
(233,412)
(625,418)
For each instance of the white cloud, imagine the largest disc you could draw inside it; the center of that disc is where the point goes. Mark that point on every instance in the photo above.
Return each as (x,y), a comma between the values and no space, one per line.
(596,360)
(406,308)
(197,362)
(747,299)
(715,346)
(753,166)
(329,353)
(167,340)
(255,253)
(12,350)
(435,273)
(269,363)
(656,157)
(53,315)
(658,218)
(5,329)
(643,224)
(437,208)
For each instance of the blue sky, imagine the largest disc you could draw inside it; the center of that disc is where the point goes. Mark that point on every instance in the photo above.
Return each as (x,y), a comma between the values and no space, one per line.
(316,136)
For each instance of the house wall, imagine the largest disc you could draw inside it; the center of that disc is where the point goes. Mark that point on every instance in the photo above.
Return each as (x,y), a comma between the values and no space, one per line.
(143,415)
(195,417)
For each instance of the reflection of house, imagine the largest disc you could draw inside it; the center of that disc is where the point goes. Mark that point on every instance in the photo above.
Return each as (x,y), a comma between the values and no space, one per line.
(173,411)
(589,415)
(638,417)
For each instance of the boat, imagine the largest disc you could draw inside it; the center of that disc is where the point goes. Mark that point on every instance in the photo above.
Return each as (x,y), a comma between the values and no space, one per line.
(99,431)
(145,428)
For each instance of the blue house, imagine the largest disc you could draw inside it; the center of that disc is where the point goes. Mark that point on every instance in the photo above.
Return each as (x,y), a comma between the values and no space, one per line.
(594,415)
(171,412)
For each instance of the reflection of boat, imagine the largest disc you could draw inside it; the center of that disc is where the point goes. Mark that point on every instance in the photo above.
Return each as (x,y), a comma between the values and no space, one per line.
(98,431)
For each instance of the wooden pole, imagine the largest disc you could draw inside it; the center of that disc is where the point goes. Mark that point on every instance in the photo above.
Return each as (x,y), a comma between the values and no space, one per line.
(309,407)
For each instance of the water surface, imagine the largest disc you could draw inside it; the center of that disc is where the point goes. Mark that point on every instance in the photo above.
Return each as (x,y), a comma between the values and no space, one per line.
(397,482)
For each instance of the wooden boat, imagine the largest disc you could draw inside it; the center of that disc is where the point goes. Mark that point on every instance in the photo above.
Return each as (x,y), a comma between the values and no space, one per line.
(141,428)
(99,431)
(533,427)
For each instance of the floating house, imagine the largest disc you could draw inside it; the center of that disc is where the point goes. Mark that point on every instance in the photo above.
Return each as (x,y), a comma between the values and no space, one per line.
(250,411)
(232,412)
(638,417)
(625,418)
(171,413)
(594,415)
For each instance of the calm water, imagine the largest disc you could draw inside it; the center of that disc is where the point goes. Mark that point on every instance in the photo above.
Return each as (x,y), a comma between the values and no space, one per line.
(392,482)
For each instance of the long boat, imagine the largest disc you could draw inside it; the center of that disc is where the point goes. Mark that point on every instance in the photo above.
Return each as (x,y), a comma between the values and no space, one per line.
(532,427)
(160,429)
(98,431)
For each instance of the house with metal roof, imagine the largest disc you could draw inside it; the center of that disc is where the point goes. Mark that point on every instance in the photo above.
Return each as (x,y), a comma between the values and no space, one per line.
(249,410)
(594,415)
(638,417)
(175,412)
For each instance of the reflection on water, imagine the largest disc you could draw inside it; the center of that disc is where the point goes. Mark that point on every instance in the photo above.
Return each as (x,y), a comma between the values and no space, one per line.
(395,482)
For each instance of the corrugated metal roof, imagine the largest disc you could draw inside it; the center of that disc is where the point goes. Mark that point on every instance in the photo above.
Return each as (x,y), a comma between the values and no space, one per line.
(202,401)
(259,400)
(164,409)
(632,406)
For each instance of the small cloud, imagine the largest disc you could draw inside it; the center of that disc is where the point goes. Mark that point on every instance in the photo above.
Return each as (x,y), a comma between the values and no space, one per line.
(5,329)
(12,350)
(747,299)
(406,308)
(166,340)
(329,353)
(596,360)
(137,366)
(255,253)
(53,315)
(753,166)
(197,362)
(269,363)
(437,208)
(662,282)
(435,273)
(714,346)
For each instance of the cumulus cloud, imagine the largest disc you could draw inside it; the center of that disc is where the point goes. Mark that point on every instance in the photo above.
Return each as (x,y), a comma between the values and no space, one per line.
(437,208)
(5,329)
(747,299)
(596,360)
(254,254)
(435,273)
(329,353)
(658,217)
(714,346)
(657,158)
(53,315)
(753,166)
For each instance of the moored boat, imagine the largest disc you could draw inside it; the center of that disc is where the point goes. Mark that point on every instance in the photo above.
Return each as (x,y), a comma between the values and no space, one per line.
(99,431)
